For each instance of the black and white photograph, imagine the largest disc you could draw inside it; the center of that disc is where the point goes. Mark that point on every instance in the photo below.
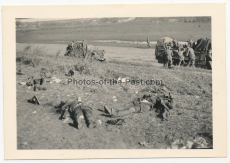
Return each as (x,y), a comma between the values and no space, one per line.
(114,83)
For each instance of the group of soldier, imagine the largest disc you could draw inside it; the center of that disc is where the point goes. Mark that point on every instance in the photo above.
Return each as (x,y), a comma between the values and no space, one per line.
(203,45)
(73,43)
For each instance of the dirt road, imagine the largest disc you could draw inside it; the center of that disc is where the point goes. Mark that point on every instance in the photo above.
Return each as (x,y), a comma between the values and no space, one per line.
(111,52)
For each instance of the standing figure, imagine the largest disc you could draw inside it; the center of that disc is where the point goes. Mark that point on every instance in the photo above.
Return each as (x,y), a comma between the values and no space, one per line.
(84,47)
(72,44)
(191,55)
(202,57)
(174,44)
(180,56)
(148,43)
(167,56)
(209,60)
(191,43)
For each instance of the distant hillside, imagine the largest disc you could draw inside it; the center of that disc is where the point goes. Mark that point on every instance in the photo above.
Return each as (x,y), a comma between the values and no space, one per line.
(101,30)
(106,21)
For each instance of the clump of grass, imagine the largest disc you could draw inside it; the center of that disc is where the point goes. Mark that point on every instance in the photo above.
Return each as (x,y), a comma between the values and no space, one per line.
(33,55)
(27,49)
(30,61)
(81,67)
(58,53)
(39,51)
(35,50)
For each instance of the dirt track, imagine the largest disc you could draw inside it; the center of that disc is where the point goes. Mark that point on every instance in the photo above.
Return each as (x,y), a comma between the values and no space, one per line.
(118,53)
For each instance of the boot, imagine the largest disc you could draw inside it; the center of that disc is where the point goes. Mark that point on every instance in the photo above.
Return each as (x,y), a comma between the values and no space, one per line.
(107,110)
(119,113)
(87,112)
(79,122)
(114,112)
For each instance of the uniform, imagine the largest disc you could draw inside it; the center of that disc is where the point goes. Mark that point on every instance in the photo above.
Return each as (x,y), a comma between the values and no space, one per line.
(174,44)
(39,80)
(148,43)
(168,57)
(145,106)
(85,47)
(180,56)
(72,44)
(208,61)
(191,56)
(202,57)
(190,43)
(164,112)
(77,111)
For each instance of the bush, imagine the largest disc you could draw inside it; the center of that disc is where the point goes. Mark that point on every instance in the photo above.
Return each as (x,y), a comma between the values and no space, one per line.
(38,51)
(58,53)
(27,48)
(28,61)
(82,68)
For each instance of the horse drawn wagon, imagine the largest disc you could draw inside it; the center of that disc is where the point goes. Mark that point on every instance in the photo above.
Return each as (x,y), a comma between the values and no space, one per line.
(80,50)
(201,48)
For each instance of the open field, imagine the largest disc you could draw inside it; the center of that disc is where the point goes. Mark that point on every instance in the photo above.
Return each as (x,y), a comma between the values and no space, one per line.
(39,127)
(136,30)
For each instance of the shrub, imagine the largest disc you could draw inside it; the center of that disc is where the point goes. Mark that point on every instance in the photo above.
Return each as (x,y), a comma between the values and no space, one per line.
(28,61)
(38,51)
(58,53)
(27,48)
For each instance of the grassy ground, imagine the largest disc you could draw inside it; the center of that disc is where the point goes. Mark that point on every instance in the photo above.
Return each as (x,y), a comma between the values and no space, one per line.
(39,127)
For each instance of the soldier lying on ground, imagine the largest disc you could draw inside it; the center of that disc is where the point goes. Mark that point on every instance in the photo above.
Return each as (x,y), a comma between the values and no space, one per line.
(78,112)
(148,102)
(38,81)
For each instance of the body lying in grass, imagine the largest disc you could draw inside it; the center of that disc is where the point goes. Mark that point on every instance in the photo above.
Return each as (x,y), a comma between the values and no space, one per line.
(78,112)
(38,81)
(148,102)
